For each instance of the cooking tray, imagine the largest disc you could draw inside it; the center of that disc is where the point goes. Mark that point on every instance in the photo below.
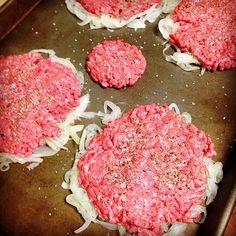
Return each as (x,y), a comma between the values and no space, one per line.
(12,12)
(33,202)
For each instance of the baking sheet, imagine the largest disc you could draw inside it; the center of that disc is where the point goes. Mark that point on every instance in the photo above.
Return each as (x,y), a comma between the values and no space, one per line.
(33,202)
(12,12)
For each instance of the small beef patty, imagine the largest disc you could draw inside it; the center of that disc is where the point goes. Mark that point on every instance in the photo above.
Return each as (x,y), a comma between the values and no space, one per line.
(146,168)
(36,93)
(124,9)
(208,31)
(115,63)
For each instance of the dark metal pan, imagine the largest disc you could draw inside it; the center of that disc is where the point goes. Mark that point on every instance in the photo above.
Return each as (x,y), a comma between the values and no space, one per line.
(33,202)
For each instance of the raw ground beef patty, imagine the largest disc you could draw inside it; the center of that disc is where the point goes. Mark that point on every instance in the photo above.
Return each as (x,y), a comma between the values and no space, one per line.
(208,31)
(145,169)
(115,63)
(124,9)
(36,93)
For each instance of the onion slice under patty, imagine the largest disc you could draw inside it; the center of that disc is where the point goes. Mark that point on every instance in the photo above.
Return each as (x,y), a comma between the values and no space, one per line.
(185,61)
(80,200)
(68,129)
(107,21)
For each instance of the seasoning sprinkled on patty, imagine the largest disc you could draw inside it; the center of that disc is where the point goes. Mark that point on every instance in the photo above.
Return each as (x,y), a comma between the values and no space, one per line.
(207,29)
(36,94)
(124,9)
(115,63)
(147,169)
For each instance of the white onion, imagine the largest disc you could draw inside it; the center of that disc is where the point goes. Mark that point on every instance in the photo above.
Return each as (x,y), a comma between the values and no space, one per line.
(176,229)
(168,6)
(83,227)
(174,107)
(78,112)
(215,175)
(150,15)
(184,58)
(106,225)
(89,115)
(89,132)
(185,61)
(122,231)
(6,159)
(167,27)
(79,198)
(65,185)
(56,144)
(114,114)
(198,210)
(165,227)
(203,70)
(186,115)
(107,21)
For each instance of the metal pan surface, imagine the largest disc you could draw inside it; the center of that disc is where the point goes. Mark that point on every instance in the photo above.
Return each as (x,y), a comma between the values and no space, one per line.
(33,202)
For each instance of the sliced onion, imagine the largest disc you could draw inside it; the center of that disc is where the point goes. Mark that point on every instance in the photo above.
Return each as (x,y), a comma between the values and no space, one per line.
(107,21)
(88,115)
(56,145)
(65,185)
(165,227)
(50,52)
(79,198)
(114,114)
(80,110)
(176,229)
(150,15)
(174,107)
(122,231)
(73,132)
(5,163)
(106,225)
(43,151)
(68,173)
(83,227)
(203,70)
(199,210)
(168,6)
(89,132)
(215,175)
(6,159)
(187,117)
(167,27)
(184,60)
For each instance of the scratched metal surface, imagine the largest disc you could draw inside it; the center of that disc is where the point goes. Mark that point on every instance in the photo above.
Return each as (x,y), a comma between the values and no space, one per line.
(33,203)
